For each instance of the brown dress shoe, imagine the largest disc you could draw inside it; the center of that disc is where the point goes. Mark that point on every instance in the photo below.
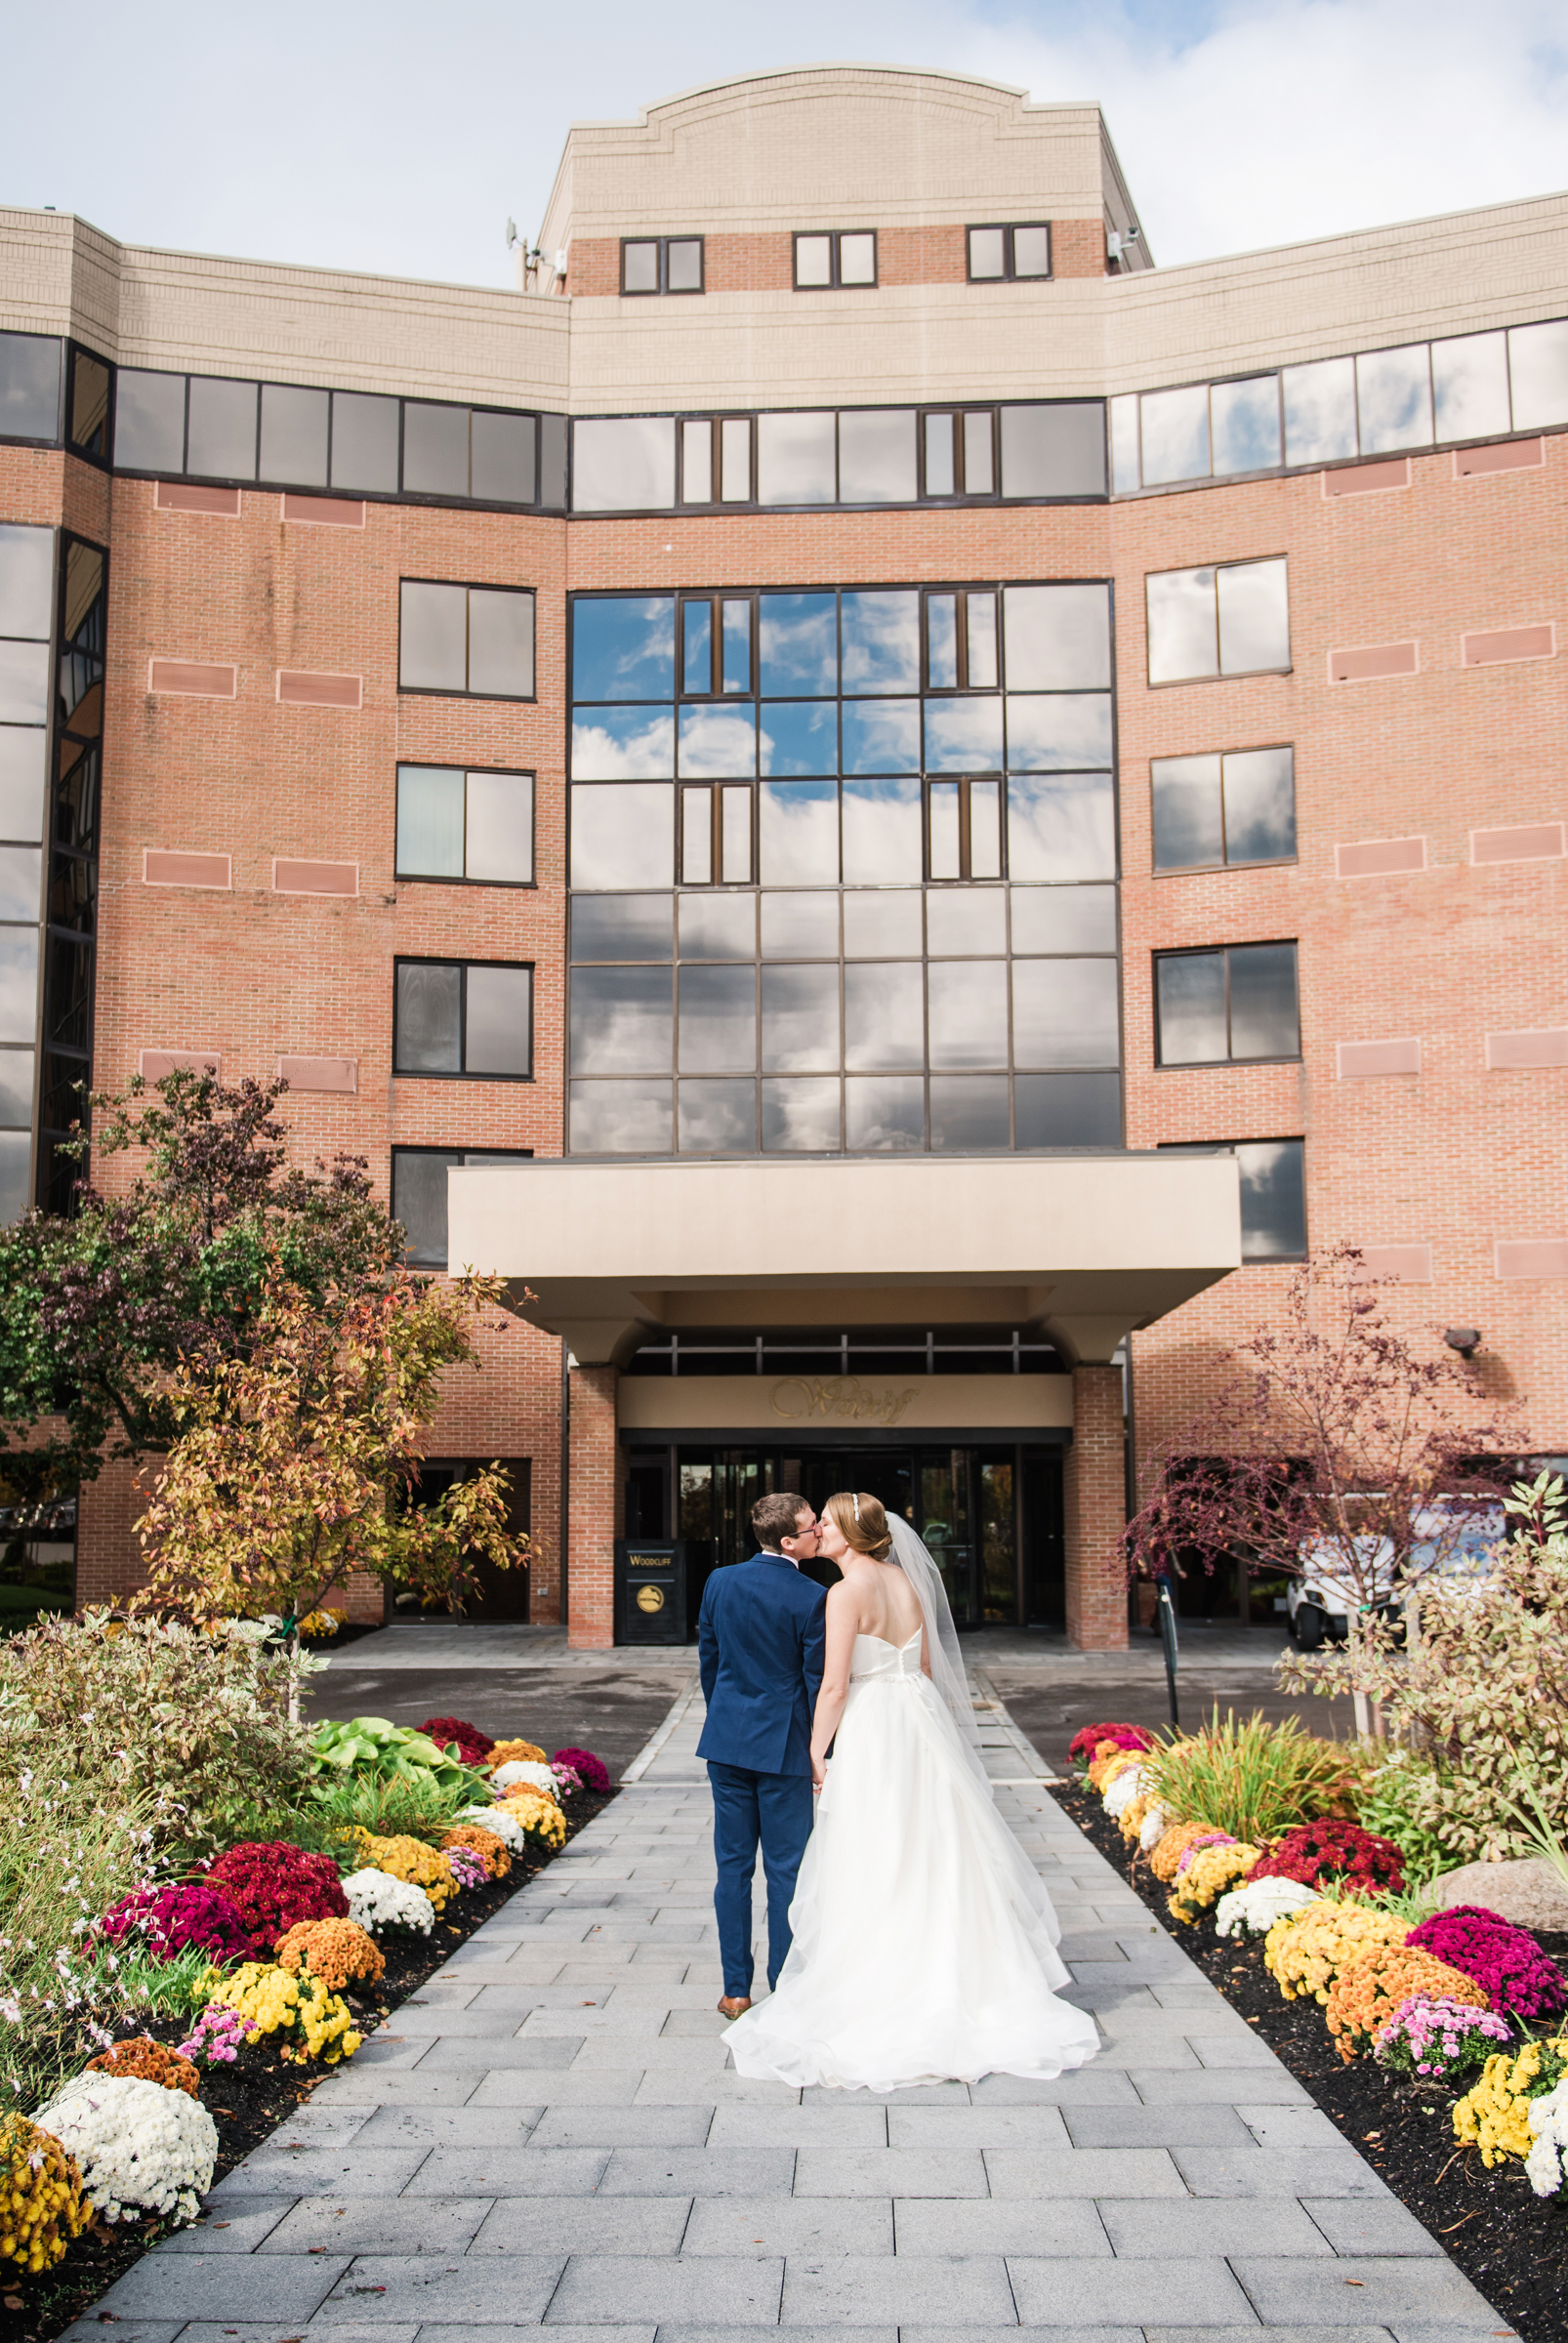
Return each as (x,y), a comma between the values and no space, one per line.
(734,2005)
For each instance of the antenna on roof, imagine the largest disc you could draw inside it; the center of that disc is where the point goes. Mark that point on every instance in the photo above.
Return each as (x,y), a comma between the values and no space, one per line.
(511,233)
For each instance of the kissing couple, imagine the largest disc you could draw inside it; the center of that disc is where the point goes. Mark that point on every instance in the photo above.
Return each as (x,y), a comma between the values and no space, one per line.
(910,1940)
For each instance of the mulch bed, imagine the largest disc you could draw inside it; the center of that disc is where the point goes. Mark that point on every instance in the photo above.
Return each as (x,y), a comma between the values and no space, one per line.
(1510,2244)
(249,2100)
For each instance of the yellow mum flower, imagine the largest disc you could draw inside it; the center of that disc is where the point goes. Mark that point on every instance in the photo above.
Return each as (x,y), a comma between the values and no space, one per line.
(411,1860)
(41,2203)
(1305,1952)
(314,2020)
(1207,1876)
(538,1815)
(1493,2116)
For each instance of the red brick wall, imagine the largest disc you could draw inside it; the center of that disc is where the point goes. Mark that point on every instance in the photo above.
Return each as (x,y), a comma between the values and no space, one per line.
(595,1507)
(764,261)
(1094,1486)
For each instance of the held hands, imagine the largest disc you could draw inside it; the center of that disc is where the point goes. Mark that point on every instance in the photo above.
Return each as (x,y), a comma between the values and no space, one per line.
(819,1773)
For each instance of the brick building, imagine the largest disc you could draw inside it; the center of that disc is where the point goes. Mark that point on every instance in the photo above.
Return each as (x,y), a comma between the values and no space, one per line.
(885,806)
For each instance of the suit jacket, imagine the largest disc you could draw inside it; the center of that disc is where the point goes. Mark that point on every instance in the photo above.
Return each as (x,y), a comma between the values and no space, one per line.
(759,1652)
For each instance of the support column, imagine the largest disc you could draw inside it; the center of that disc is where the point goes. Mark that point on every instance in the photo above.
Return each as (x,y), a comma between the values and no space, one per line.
(593,1506)
(1095,1508)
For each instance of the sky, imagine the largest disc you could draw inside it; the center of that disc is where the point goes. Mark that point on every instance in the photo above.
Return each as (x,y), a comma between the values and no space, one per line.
(400,137)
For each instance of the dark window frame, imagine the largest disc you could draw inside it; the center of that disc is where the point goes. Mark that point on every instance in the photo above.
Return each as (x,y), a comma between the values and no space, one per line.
(101,459)
(1270,1260)
(428,691)
(1193,1066)
(507,772)
(1009,274)
(664,289)
(715,696)
(463,1156)
(965,783)
(961,493)
(1218,674)
(963,688)
(441,959)
(1266,862)
(835,283)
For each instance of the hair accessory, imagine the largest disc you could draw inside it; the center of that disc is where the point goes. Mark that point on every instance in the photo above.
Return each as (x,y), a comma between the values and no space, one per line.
(856,1502)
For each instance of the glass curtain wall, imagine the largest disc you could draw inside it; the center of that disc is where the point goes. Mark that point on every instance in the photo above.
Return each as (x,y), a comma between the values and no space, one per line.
(70,932)
(843,870)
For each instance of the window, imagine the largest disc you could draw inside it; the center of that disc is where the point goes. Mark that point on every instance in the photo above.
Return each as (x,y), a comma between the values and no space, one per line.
(476,826)
(89,405)
(1273,1194)
(29,387)
(477,639)
(661,264)
(838,256)
(1238,807)
(470,1018)
(27,628)
(963,827)
(1008,253)
(1225,1007)
(419,1195)
(1231,621)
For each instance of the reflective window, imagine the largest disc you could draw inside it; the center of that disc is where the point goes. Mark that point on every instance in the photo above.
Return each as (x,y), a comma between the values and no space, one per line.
(1061,828)
(296,430)
(798,833)
(419,1195)
(881,831)
(966,1010)
(365,444)
(1063,919)
(876,456)
(797,460)
(1234,808)
(717,1027)
(1394,400)
(1243,423)
(453,824)
(622,1020)
(623,464)
(18,984)
(631,927)
(880,634)
(29,387)
(1067,1110)
(435,449)
(661,264)
(469,1018)
(969,1114)
(1175,434)
(619,1118)
(221,429)
(90,385)
(884,1117)
(999,254)
(1273,1193)
(149,421)
(474,640)
(623,836)
(1065,1012)
(623,647)
(800,1019)
(1058,638)
(1228,1004)
(1052,451)
(1470,386)
(26,582)
(835,256)
(1227,621)
(798,638)
(1537,370)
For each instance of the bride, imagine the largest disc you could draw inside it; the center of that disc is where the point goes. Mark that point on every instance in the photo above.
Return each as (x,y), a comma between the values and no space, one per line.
(924,1938)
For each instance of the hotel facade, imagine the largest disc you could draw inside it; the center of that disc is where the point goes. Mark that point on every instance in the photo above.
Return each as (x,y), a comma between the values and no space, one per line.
(886,808)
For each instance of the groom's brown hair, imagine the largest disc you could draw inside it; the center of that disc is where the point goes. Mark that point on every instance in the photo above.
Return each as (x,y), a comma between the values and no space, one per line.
(774,1517)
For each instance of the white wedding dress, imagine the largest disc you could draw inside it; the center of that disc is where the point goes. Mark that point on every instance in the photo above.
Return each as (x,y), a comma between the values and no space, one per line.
(924,1938)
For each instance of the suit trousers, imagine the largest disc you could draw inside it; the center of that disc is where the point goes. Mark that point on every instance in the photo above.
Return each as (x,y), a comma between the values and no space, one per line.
(774,1809)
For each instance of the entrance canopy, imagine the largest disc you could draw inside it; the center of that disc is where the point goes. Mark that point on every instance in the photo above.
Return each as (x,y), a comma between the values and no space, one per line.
(1083,1247)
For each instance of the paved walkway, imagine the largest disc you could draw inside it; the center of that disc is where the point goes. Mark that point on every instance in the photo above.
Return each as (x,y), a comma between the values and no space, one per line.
(550,2133)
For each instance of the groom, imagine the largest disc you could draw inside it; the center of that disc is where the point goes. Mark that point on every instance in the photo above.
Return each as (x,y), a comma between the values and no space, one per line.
(760,1650)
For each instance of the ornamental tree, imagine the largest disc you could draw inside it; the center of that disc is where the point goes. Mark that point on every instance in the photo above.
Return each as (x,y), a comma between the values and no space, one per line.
(98,1310)
(295,1460)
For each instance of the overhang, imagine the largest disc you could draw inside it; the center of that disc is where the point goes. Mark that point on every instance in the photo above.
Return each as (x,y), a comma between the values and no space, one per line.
(1085,1247)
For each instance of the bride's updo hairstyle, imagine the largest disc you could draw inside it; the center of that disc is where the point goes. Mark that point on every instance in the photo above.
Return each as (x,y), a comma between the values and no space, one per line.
(863,1523)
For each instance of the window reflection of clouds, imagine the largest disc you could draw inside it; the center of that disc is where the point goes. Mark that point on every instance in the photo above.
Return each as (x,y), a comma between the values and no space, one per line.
(1062,827)
(969,1113)
(1067,1110)
(1064,1012)
(1064,918)
(963,736)
(800,736)
(801,926)
(1058,731)
(1470,386)
(718,1021)
(964,921)
(623,464)
(884,1024)
(1255,628)
(800,1118)
(880,736)
(799,638)
(718,744)
(1058,637)
(876,456)
(1320,411)
(623,836)
(631,927)
(1189,819)
(1175,434)
(1245,424)
(623,647)
(1394,400)
(885,1117)
(620,1117)
(1260,806)
(797,459)
(882,924)
(881,642)
(968,1008)
(881,831)
(800,1020)
(1190,987)
(1183,633)
(799,833)
(717,1118)
(718,926)
(616,744)
(621,1020)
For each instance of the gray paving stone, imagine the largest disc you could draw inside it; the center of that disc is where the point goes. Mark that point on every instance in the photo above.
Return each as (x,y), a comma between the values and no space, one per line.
(622,2127)
(808,2227)
(450,2126)
(317,2171)
(492,2290)
(923,2094)
(990,2126)
(1254,2333)
(768,2123)
(393,2225)
(699,2173)
(929,2289)
(1013,2334)
(139,2330)
(1189,2229)
(1211,2086)
(508,2173)
(1176,2293)
(432,2331)
(588,2225)
(710,2291)
(1379,2225)
(1406,2289)
(1225,2172)
(590,2086)
(223,2287)
(890,2172)
(1094,2085)
(322,2123)
(1069,2228)
(1237,2051)
(1081,2172)
(1157,2127)
(238,2226)
(1291,2126)
(672,2331)
(359,2087)
(663,2089)
(449,2056)
(211,2331)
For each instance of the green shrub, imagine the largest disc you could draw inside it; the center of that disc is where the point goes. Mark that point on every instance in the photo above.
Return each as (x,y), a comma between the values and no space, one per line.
(412,1805)
(1250,1778)
(369,1748)
(1393,1800)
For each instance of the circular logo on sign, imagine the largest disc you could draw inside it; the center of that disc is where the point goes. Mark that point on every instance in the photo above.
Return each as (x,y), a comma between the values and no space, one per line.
(650,1598)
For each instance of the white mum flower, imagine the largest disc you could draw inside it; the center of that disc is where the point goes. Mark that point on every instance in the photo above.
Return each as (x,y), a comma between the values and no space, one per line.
(1155,1825)
(1124,1790)
(1548,2121)
(141,2147)
(378,1900)
(505,1827)
(517,1772)
(1252,1910)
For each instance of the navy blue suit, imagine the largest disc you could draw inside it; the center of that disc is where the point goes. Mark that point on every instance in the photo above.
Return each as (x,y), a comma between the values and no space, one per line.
(759,1652)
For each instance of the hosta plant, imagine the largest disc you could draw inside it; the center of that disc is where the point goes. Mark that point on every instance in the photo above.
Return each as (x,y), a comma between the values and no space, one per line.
(373,1746)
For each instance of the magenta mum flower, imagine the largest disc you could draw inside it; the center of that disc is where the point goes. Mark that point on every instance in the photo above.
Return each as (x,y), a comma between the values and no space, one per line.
(1505,1960)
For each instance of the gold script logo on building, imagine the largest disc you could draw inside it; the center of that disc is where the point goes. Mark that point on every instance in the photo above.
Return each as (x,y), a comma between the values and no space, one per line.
(797,1396)
(650,1598)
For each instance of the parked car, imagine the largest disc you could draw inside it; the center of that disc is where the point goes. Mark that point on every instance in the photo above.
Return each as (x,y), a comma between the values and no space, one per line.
(1320,1600)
